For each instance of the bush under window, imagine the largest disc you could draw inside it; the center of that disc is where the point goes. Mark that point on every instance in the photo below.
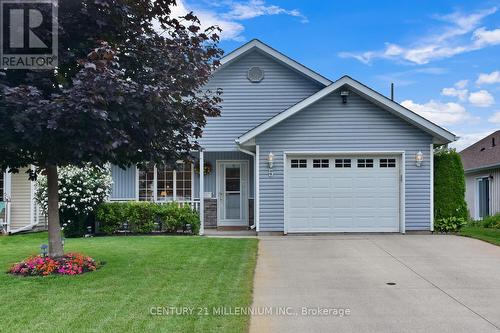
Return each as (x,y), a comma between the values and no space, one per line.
(146,217)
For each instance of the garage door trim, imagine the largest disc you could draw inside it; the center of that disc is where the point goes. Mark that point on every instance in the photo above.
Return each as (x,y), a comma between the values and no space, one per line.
(400,154)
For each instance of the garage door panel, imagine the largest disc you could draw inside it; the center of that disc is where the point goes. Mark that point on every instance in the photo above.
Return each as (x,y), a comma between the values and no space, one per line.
(342,198)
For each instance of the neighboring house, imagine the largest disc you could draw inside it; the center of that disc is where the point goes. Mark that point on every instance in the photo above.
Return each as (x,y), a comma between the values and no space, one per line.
(18,209)
(296,152)
(481,163)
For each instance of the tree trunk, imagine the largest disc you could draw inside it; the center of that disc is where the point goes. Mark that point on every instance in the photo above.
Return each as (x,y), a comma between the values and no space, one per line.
(55,243)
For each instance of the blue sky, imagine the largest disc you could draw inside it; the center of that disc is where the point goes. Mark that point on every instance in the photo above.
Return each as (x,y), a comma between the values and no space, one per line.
(443,56)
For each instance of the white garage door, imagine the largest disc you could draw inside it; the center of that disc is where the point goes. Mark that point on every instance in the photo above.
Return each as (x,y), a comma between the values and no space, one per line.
(342,194)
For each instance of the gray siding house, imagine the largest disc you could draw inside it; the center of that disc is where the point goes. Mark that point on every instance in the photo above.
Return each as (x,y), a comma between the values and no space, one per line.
(482,176)
(294,152)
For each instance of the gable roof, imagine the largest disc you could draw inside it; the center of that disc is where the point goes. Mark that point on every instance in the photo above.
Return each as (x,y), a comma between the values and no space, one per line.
(483,154)
(256,44)
(441,136)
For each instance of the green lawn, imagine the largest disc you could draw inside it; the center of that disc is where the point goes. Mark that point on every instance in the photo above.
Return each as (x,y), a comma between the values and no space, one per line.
(140,272)
(486,234)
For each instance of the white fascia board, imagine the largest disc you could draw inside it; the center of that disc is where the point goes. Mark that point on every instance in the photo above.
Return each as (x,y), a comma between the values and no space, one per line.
(438,132)
(257,44)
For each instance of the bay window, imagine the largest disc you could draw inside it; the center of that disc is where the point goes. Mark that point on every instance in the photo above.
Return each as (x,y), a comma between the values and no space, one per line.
(162,183)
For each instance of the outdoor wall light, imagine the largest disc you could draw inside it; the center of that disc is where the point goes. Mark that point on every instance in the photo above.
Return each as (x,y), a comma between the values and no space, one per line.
(419,158)
(270,162)
(344,94)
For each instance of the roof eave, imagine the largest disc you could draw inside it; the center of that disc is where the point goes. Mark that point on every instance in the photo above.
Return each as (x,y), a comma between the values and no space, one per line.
(440,135)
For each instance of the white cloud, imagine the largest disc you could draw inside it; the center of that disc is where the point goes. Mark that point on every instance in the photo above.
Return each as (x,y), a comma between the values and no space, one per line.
(467,139)
(438,112)
(457,91)
(483,37)
(481,98)
(449,42)
(485,78)
(256,8)
(495,118)
(231,30)
(229,19)
(461,84)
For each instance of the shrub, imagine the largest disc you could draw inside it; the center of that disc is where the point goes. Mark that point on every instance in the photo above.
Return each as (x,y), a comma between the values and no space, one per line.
(146,217)
(449,186)
(489,222)
(141,217)
(81,191)
(449,224)
(69,264)
(110,217)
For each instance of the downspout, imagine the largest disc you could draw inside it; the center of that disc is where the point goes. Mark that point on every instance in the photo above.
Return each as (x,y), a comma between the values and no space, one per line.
(254,185)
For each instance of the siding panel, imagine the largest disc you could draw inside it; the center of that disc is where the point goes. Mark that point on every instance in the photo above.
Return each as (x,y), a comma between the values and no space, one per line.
(20,214)
(246,104)
(359,125)
(470,191)
(123,183)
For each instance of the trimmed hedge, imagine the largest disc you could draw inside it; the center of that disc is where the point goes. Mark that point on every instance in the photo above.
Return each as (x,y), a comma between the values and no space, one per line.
(449,186)
(146,217)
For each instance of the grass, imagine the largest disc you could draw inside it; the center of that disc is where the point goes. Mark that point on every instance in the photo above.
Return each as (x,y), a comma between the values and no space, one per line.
(141,272)
(489,235)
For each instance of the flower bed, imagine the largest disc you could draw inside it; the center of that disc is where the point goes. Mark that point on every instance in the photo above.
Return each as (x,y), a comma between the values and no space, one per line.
(69,264)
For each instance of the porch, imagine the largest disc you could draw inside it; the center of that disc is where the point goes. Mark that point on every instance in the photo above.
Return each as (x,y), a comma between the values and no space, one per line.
(223,193)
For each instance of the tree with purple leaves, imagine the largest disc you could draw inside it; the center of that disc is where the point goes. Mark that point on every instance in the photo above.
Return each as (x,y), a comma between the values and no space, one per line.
(128,89)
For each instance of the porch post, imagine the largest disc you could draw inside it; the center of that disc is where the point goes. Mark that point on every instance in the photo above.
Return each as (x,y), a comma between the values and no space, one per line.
(202,194)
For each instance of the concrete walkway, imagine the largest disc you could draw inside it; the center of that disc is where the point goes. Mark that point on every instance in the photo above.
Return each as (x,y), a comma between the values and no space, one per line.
(441,284)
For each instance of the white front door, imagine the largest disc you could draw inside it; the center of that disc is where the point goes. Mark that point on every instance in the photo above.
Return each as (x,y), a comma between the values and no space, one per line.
(232,193)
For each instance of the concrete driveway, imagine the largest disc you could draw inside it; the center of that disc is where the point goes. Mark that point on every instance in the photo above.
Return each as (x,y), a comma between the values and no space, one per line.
(441,284)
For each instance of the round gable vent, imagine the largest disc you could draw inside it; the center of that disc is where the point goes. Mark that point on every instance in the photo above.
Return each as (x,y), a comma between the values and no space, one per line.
(255,74)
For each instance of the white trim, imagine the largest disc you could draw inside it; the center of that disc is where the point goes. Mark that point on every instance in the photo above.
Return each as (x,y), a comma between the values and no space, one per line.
(136,183)
(254,184)
(243,209)
(431,158)
(257,44)
(402,194)
(256,195)
(8,194)
(202,196)
(476,194)
(285,193)
(155,185)
(402,189)
(440,134)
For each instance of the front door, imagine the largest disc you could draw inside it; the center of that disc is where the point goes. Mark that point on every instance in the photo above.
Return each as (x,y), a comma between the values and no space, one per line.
(232,184)
(483,185)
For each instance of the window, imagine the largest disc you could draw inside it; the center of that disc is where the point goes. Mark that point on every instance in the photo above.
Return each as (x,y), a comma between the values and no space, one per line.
(365,163)
(321,163)
(343,163)
(183,182)
(387,162)
(146,184)
(168,184)
(298,164)
(164,183)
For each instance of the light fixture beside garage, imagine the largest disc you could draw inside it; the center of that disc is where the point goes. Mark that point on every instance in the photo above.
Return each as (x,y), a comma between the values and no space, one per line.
(270,162)
(419,158)
(344,94)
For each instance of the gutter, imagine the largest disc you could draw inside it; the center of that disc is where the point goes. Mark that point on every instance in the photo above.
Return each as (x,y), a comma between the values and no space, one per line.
(490,166)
